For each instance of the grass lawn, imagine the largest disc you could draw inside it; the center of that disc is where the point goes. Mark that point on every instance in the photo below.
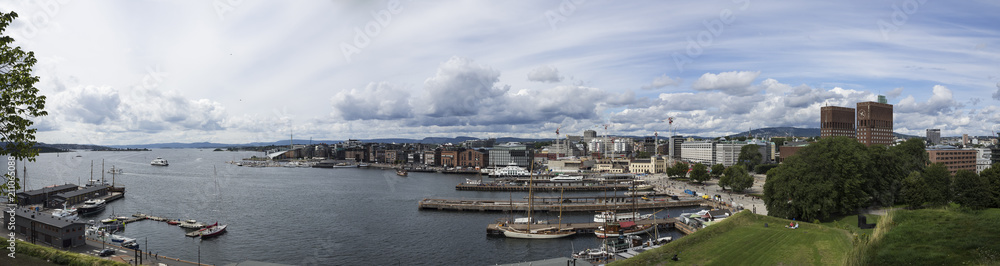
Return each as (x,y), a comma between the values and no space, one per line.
(743,240)
(850,223)
(24,260)
(941,237)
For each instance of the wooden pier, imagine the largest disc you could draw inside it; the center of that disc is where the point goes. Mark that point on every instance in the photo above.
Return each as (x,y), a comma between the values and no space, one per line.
(580,228)
(550,187)
(506,205)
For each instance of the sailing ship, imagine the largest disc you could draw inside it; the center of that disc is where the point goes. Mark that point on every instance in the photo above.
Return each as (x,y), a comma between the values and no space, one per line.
(527,233)
(214,231)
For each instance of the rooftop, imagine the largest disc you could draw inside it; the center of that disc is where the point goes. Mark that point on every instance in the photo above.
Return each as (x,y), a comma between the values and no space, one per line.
(45,218)
(48,189)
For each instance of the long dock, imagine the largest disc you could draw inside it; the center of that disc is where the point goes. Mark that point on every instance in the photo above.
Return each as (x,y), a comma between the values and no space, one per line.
(580,228)
(506,205)
(553,187)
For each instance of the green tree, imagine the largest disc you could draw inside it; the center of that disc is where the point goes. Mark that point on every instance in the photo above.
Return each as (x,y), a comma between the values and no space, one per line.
(992,177)
(914,191)
(738,178)
(19,99)
(699,173)
(750,156)
(717,170)
(971,190)
(678,170)
(824,179)
(938,180)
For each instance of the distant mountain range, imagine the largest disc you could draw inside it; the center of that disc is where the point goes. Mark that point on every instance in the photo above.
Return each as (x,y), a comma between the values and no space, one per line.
(760,132)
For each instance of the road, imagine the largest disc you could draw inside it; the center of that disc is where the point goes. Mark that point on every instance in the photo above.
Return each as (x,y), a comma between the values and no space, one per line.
(711,187)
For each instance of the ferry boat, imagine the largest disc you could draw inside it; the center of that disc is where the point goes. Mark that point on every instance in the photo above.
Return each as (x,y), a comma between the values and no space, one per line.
(511,170)
(91,206)
(159,162)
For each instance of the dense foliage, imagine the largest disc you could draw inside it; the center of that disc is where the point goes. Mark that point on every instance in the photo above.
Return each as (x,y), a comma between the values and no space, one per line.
(749,156)
(970,190)
(738,178)
(19,99)
(838,175)
(699,173)
(717,170)
(763,168)
(678,170)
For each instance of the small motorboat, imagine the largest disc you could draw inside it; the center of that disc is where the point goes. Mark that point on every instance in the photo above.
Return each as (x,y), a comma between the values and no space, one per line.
(174,222)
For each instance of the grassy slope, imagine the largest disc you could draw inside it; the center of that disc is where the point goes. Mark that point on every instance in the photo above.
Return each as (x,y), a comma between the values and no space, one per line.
(941,237)
(743,239)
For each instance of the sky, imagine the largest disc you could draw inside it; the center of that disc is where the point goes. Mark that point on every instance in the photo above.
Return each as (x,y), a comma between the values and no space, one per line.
(231,71)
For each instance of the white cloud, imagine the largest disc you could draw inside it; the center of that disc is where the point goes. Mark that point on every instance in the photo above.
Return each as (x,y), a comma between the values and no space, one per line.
(660,82)
(380,100)
(460,87)
(941,102)
(547,74)
(733,83)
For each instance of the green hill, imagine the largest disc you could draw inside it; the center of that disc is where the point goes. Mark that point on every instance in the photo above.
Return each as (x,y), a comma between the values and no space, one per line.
(743,240)
(939,237)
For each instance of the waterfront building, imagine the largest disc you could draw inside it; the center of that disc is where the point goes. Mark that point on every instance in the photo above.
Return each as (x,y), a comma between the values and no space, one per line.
(70,198)
(38,196)
(652,165)
(699,152)
(449,158)
(934,136)
(953,158)
(837,121)
(569,166)
(875,123)
(473,158)
(39,227)
(429,157)
(503,155)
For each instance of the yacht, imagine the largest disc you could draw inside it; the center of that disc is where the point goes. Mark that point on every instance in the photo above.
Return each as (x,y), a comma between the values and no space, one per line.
(159,162)
(91,206)
(65,213)
(611,216)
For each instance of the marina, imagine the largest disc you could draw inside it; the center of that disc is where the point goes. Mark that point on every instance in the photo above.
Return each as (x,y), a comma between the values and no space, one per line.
(583,229)
(550,206)
(215,190)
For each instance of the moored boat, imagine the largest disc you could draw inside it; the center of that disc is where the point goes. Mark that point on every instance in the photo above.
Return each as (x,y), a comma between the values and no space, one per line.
(214,231)
(627,228)
(612,216)
(91,206)
(159,162)
(401,172)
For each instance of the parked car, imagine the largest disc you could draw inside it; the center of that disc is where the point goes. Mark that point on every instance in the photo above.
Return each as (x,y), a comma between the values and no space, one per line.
(106,252)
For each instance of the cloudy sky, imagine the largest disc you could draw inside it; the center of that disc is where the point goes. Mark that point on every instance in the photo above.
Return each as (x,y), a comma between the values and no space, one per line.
(228,71)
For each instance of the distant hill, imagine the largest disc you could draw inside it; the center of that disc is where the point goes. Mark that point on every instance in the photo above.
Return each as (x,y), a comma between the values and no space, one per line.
(777,132)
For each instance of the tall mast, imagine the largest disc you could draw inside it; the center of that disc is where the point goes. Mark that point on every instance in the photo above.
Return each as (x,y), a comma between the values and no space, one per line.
(531,197)
(561,191)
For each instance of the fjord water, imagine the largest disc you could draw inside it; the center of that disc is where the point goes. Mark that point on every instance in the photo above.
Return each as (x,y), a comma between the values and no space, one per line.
(301,216)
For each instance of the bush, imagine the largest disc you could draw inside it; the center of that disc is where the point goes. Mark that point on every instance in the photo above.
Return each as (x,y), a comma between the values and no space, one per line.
(763,168)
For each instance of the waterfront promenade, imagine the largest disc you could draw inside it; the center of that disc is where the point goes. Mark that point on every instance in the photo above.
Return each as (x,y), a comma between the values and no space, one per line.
(711,187)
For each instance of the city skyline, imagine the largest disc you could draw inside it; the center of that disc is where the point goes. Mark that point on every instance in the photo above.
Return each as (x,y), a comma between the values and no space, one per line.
(127,72)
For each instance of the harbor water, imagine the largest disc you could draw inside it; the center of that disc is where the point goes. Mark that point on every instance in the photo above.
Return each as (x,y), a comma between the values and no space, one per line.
(303,216)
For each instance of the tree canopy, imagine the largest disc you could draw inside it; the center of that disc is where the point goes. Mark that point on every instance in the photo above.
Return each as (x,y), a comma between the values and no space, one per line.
(699,173)
(824,179)
(678,170)
(971,190)
(19,99)
(738,178)
(717,170)
(749,156)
